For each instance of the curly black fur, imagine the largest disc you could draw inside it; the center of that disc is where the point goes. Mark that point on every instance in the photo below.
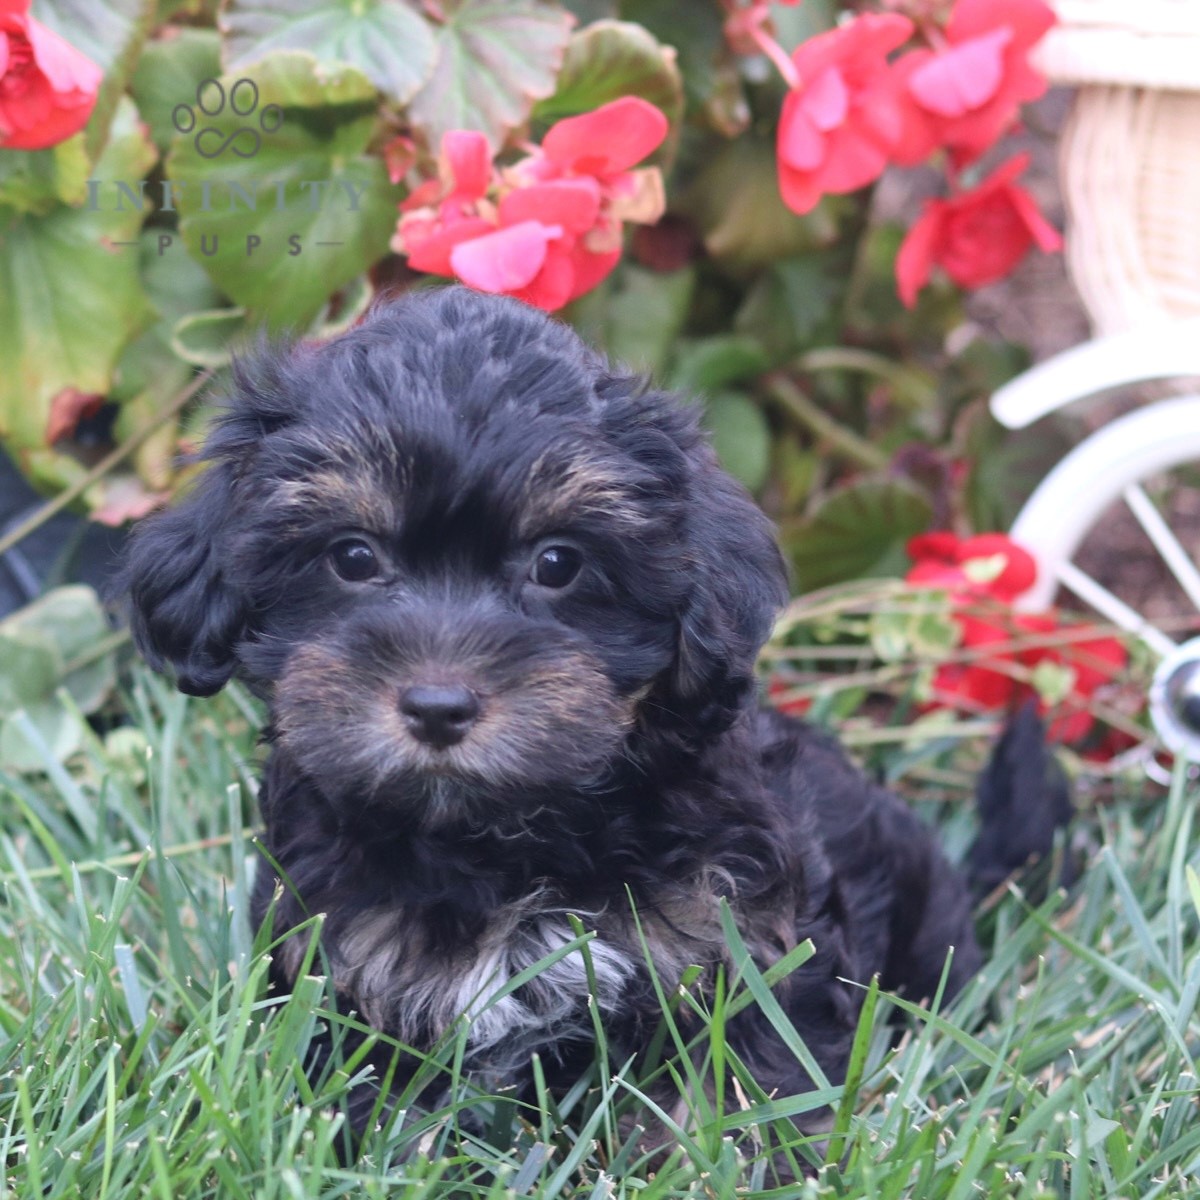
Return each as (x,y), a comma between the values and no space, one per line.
(620,747)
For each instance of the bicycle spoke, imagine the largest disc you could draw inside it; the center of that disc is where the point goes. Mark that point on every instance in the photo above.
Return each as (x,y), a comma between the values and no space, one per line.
(1165,542)
(1117,611)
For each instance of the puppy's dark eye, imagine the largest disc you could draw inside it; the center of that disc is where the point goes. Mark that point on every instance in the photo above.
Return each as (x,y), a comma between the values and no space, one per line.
(354,560)
(556,566)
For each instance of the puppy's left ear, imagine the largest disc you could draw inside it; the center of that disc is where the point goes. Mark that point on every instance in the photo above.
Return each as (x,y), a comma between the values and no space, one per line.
(183,613)
(739,583)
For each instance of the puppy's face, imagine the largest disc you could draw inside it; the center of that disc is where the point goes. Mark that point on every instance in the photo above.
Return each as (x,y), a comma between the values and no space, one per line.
(465,562)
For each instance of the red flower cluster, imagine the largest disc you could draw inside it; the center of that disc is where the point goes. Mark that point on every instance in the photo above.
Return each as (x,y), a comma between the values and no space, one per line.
(548,228)
(47,87)
(976,237)
(983,576)
(850,111)
(841,119)
(964,91)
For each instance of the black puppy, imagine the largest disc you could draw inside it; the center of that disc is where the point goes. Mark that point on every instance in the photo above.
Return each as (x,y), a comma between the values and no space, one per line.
(505,606)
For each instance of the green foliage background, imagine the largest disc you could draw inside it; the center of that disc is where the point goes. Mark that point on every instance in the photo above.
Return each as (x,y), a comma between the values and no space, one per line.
(844,413)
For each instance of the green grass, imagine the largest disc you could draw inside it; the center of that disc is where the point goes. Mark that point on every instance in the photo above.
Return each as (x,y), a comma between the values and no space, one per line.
(143,1057)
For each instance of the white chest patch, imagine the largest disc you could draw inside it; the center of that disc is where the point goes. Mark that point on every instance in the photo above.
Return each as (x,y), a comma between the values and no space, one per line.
(398,987)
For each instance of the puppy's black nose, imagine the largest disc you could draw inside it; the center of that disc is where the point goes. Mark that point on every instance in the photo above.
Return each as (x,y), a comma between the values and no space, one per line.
(439,714)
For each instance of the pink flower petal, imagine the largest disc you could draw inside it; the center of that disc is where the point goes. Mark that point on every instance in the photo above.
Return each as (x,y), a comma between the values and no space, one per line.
(1027,19)
(572,203)
(506,260)
(856,157)
(962,78)
(612,138)
(800,143)
(429,249)
(552,286)
(914,263)
(798,189)
(468,159)
(67,69)
(1045,236)
(591,268)
(826,99)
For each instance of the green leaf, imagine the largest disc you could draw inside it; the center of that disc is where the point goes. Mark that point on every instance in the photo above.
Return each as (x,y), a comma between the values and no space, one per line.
(70,299)
(638,315)
(388,41)
(1006,465)
(913,623)
(150,372)
(52,643)
(110,33)
(169,73)
(874,307)
(205,339)
(698,40)
(793,305)
(176,286)
(610,59)
(706,364)
(735,202)
(494,59)
(591,10)
(857,532)
(36,180)
(797,23)
(740,436)
(321,209)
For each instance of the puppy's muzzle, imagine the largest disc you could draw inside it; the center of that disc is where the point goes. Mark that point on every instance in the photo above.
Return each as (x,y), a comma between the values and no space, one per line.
(439,715)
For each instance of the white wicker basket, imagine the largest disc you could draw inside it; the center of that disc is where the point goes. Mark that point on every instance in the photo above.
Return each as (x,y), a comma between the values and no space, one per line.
(1131,155)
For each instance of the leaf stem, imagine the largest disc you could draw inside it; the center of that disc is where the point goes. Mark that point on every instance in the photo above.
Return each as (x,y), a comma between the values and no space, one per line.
(848,443)
(104,647)
(915,389)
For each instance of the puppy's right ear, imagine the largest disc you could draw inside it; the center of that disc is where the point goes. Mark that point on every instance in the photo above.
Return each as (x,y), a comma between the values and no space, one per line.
(183,613)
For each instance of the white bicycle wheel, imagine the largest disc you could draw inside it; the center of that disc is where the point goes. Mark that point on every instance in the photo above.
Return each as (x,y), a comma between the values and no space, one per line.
(1111,466)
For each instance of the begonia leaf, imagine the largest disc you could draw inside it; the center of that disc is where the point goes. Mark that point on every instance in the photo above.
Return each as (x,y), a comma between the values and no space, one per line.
(280,202)
(389,41)
(740,436)
(611,59)
(47,645)
(149,372)
(495,58)
(170,73)
(71,297)
(858,531)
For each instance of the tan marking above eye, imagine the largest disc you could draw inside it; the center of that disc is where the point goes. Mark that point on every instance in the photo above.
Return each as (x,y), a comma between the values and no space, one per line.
(557,489)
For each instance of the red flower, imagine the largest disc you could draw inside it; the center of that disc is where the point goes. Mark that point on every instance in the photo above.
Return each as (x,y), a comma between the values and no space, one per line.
(983,575)
(841,118)
(976,237)
(988,564)
(547,229)
(966,94)
(779,691)
(47,87)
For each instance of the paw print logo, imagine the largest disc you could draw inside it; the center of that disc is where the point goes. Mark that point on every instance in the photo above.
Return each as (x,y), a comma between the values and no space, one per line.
(242,100)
